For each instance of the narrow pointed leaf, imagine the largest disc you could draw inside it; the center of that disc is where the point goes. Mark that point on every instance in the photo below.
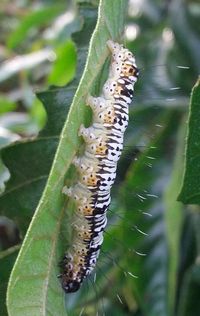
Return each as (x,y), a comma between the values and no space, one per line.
(151,268)
(36,268)
(190,192)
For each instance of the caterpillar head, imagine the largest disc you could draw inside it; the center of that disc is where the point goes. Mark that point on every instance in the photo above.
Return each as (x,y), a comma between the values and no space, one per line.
(70,282)
(69,286)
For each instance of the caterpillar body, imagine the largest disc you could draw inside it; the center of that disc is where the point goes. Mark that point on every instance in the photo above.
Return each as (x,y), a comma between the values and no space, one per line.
(97,167)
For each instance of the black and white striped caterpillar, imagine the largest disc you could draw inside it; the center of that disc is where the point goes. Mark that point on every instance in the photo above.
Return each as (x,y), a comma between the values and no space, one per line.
(97,167)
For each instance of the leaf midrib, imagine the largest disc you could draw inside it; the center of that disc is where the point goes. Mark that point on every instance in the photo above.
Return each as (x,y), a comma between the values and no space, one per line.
(55,239)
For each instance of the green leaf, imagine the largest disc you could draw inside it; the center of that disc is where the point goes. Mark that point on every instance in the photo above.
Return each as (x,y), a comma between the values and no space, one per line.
(6,104)
(181,27)
(33,20)
(190,280)
(7,259)
(174,216)
(189,298)
(151,286)
(64,66)
(190,192)
(29,161)
(4,176)
(36,268)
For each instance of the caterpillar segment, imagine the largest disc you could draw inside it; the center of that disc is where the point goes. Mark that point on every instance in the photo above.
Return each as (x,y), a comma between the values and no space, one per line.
(97,167)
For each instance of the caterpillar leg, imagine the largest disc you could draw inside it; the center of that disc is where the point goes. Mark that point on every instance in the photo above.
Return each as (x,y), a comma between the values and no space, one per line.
(98,104)
(92,133)
(77,192)
(83,164)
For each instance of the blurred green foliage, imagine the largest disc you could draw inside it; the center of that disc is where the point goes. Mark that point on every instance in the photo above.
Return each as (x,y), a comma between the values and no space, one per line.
(37,50)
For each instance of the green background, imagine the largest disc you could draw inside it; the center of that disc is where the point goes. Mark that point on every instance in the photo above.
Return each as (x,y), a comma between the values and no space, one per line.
(149,261)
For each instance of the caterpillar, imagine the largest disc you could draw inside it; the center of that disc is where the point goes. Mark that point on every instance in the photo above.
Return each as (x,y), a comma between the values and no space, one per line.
(97,167)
